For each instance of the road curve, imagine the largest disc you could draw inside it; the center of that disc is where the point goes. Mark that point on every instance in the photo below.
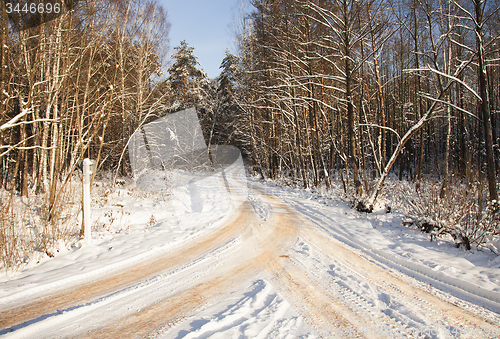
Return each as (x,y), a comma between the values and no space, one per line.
(346,290)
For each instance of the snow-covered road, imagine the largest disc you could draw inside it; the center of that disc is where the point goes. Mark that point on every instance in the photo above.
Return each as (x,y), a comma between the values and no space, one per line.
(268,269)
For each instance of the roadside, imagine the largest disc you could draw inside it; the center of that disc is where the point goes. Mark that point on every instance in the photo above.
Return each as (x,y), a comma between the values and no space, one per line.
(263,270)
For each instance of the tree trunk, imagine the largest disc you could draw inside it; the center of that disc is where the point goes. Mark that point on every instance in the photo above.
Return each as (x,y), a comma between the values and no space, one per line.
(484,106)
(352,130)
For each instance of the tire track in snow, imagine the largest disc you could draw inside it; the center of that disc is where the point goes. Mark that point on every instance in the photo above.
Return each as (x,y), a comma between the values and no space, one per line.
(461,290)
(319,308)
(51,304)
(411,306)
(361,295)
(262,246)
(352,297)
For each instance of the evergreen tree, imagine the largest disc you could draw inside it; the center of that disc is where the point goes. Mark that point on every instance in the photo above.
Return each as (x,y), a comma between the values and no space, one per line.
(227,107)
(233,119)
(227,81)
(186,78)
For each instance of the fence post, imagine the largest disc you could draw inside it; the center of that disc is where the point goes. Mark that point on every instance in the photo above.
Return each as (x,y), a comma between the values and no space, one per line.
(87,175)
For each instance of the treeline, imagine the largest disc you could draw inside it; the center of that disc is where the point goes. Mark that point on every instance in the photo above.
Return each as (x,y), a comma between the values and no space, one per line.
(76,87)
(356,89)
(318,91)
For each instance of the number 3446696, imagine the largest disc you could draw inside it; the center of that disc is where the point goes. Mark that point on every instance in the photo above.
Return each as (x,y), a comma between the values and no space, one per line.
(32,7)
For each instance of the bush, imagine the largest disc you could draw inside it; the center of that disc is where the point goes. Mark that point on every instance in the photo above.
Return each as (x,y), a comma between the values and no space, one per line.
(27,232)
(464,213)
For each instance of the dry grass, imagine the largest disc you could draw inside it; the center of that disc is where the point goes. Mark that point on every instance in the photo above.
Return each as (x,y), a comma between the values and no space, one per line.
(27,232)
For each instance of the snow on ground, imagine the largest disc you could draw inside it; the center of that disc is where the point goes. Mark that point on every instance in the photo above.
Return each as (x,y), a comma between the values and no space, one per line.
(257,311)
(137,221)
(150,216)
(472,275)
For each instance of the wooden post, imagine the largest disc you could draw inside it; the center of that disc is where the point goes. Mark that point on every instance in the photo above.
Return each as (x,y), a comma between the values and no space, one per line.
(87,175)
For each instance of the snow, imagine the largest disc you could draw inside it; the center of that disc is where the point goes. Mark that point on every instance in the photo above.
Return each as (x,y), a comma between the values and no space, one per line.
(257,311)
(383,237)
(123,235)
(161,211)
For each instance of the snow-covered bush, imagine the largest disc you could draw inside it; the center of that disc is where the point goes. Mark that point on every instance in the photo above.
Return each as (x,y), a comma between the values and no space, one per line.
(464,213)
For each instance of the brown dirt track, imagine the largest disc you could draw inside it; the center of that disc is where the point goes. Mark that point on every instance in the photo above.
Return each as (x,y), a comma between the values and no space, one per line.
(264,250)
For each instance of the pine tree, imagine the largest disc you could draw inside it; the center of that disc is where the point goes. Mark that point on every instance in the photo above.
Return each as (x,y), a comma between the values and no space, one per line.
(186,78)
(227,81)
(233,126)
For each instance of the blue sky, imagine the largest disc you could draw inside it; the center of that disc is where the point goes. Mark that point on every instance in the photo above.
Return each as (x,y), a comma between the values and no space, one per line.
(205,25)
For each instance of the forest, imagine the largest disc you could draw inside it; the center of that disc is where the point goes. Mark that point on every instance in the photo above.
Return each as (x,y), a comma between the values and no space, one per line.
(351,92)
(320,93)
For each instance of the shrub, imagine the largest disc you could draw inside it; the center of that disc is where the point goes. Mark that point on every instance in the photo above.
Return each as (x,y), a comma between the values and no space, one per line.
(463,213)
